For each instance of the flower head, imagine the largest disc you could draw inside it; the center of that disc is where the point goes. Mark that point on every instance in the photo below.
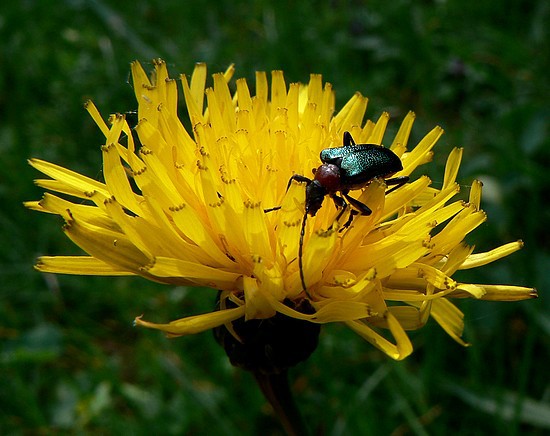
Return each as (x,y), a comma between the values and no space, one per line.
(189,207)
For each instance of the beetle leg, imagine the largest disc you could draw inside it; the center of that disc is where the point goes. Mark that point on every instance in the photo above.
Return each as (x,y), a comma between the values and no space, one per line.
(362,208)
(340,204)
(397,181)
(300,179)
(348,139)
(352,214)
(339,201)
(271,209)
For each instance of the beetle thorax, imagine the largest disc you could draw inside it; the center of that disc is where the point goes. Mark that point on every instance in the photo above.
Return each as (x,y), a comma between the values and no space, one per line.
(328,175)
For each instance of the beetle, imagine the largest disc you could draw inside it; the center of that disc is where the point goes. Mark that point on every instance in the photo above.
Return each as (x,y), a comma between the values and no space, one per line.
(352,166)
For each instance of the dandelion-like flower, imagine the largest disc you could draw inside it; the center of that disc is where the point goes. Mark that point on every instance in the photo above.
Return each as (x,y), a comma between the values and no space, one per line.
(190,208)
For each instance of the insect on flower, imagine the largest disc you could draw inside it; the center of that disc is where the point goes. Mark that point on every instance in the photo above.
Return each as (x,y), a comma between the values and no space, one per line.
(352,166)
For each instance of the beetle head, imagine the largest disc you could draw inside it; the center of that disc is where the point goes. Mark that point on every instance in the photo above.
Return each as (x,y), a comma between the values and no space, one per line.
(315,194)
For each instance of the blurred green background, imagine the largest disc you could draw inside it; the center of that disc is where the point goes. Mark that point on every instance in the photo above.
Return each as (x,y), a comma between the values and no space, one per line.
(70,360)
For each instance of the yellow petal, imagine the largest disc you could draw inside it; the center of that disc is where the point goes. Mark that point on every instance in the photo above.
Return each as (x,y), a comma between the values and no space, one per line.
(398,351)
(497,292)
(108,246)
(81,265)
(480,259)
(377,133)
(194,272)
(332,311)
(84,185)
(422,152)
(475,194)
(452,166)
(116,177)
(408,317)
(314,261)
(401,139)
(450,318)
(351,114)
(194,324)
(198,83)
(96,116)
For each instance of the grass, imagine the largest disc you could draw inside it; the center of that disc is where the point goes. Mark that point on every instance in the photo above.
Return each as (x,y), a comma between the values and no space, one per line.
(70,361)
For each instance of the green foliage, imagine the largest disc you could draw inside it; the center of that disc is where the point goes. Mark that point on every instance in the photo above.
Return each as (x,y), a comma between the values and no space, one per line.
(70,360)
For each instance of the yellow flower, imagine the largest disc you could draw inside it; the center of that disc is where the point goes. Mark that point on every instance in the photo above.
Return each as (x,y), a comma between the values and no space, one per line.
(187,208)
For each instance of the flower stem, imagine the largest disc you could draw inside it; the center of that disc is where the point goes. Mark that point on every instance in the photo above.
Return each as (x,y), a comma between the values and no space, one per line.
(276,389)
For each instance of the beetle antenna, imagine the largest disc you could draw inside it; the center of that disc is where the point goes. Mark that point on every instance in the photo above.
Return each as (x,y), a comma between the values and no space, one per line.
(300,255)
